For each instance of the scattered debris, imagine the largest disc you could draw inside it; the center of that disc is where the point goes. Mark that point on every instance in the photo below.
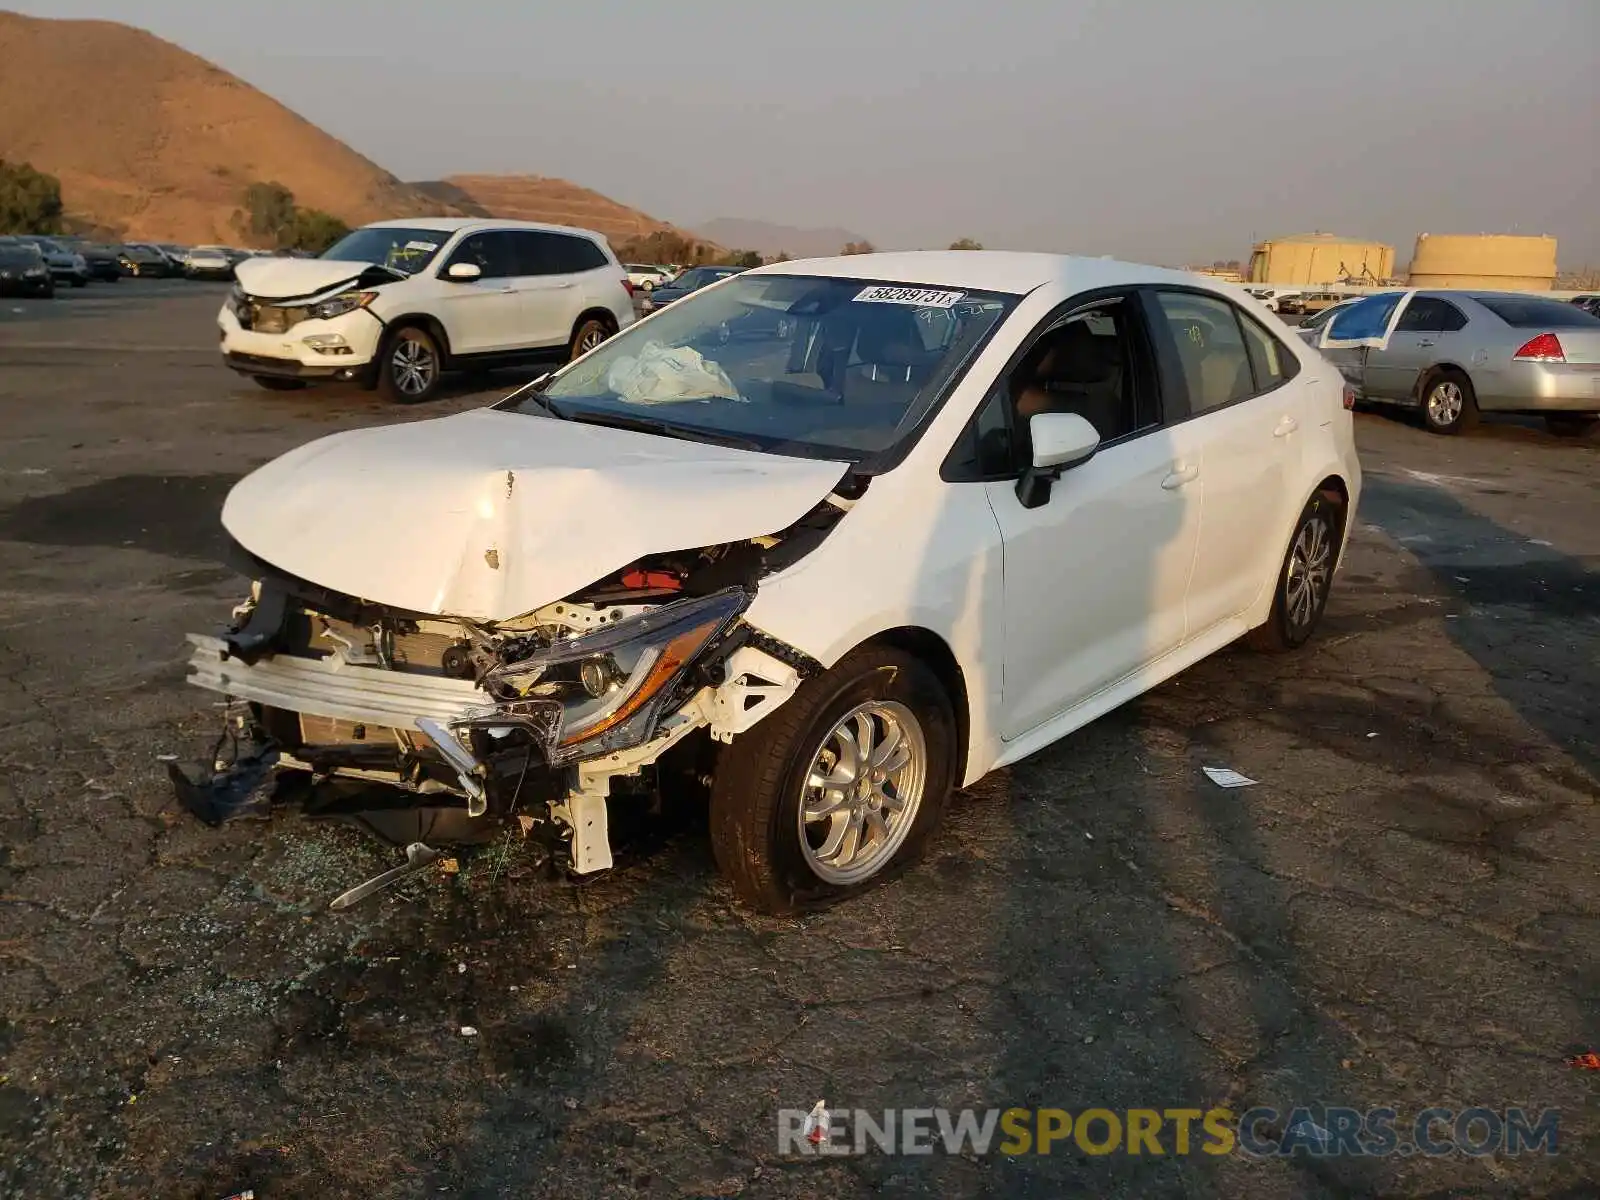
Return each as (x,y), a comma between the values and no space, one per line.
(817,1123)
(1372,735)
(419,857)
(450,866)
(469,1031)
(1226,778)
(247,1194)
(1589,1061)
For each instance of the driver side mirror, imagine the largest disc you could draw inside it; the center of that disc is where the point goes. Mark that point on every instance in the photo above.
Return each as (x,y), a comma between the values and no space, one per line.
(464,272)
(1060,441)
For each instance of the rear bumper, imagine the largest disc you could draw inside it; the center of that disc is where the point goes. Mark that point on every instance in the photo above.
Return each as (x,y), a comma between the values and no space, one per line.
(1543,387)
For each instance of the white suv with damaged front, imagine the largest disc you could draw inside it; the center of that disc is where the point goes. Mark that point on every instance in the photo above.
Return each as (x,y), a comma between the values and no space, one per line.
(397,304)
(818,544)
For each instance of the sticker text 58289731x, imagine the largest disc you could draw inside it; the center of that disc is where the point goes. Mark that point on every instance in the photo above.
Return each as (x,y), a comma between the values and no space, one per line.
(916,297)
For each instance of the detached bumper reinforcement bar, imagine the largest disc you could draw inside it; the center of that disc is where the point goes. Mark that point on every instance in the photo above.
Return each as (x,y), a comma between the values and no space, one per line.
(331,687)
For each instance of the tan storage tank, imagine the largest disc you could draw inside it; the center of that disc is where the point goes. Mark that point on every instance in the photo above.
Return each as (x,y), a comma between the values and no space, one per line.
(1504,261)
(1311,258)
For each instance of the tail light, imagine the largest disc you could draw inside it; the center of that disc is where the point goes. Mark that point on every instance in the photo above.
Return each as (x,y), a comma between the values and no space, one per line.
(1544,348)
(627,284)
(1349,398)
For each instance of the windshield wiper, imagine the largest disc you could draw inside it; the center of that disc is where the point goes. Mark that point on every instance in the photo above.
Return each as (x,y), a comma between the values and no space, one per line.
(535,392)
(687,433)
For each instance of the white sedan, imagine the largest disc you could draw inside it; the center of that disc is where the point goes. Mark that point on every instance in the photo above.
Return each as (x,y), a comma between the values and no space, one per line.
(830,537)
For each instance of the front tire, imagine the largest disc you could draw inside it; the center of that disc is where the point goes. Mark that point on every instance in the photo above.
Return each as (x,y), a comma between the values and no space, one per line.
(840,789)
(410,367)
(1306,577)
(1449,404)
(1570,425)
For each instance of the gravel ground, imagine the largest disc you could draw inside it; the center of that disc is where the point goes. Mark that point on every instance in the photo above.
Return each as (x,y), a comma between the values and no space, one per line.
(1405,910)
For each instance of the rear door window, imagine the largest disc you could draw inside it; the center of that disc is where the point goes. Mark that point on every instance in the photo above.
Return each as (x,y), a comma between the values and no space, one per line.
(544,253)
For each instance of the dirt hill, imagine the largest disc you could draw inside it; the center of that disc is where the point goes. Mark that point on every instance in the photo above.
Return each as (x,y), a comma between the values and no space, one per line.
(536,198)
(154,142)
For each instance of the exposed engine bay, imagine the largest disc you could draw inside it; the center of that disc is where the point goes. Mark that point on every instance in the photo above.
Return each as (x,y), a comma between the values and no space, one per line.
(538,721)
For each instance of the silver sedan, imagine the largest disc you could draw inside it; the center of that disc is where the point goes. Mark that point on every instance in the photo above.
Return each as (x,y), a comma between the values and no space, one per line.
(1454,354)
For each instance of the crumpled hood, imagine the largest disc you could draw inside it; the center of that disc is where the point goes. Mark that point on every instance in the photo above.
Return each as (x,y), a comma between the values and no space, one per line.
(275,278)
(490,515)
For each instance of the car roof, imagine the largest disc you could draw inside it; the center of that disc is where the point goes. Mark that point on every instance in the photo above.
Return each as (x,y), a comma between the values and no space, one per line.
(477,224)
(1016,272)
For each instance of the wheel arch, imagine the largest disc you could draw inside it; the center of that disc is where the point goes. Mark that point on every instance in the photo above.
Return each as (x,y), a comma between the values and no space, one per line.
(424,321)
(930,649)
(1425,375)
(594,312)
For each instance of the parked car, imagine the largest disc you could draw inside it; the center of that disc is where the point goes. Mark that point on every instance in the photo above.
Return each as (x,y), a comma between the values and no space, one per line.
(1278,300)
(976,502)
(66,266)
(144,260)
(208,262)
(1453,354)
(1589,304)
(399,303)
(99,258)
(23,270)
(176,255)
(689,282)
(1312,303)
(646,277)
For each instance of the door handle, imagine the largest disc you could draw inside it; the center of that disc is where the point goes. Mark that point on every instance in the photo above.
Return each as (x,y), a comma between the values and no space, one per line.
(1180,476)
(1427,342)
(506,291)
(1286,426)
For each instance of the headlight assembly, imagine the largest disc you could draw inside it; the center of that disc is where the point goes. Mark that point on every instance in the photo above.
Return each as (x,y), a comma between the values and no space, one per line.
(613,684)
(344,303)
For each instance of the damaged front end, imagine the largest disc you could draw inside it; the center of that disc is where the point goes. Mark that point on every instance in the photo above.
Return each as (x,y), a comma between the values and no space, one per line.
(537,721)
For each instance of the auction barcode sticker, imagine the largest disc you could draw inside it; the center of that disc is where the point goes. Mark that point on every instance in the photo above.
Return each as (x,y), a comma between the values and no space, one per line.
(916,297)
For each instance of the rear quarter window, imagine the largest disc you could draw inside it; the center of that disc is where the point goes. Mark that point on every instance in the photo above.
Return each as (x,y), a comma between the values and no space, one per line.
(1534,313)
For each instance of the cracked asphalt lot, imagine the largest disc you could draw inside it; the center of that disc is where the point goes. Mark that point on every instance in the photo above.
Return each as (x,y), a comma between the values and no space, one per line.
(1405,910)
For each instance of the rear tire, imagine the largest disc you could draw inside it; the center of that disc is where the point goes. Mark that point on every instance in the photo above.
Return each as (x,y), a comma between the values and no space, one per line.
(410,366)
(1570,425)
(587,336)
(1306,576)
(276,383)
(779,863)
(1449,404)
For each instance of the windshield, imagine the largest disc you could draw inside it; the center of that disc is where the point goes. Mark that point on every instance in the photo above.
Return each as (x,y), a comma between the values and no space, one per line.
(14,254)
(46,245)
(405,250)
(1533,312)
(801,365)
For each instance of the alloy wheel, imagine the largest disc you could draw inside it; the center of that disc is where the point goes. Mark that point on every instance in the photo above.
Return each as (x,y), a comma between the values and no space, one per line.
(414,365)
(1305,584)
(862,791)
(1445,403)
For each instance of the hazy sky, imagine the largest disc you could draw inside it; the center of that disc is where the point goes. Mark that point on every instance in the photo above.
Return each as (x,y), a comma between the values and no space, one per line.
(1159,130)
